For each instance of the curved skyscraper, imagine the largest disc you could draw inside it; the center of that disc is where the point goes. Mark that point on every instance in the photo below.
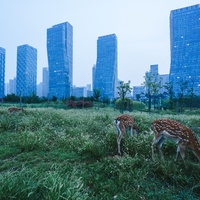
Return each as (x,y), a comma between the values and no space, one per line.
(60,60)
(106,70)
(185,48)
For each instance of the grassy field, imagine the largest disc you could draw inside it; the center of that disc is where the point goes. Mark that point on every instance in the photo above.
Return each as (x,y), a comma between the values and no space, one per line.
(48,153)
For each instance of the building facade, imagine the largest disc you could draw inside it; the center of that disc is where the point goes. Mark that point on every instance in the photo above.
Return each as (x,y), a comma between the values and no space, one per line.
(164,82)
(26,79)
(12,86)
(105,71)
(160,79)
(185,48)
(79,92)
(39,89)
(154,69)
(45,82)
(138,91)
(2,72)
(60,60)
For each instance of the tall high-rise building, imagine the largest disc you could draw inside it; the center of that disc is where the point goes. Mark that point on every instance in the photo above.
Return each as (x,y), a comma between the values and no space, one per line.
(45,82)
(12,86)
(60,60)
(106,70)
(185,48)
(26,79)
(2,71)
(79,92)
(39,89)
(154,69)
(164,81)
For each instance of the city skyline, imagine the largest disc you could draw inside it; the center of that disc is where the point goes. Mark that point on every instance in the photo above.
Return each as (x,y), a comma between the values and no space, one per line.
(142,29)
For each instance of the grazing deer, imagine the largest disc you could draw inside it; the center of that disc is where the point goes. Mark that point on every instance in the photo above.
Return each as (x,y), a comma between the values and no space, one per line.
(122,123)
(14,110)
(169,129)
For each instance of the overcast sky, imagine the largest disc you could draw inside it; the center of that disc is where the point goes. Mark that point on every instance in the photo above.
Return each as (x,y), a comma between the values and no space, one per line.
(141,26)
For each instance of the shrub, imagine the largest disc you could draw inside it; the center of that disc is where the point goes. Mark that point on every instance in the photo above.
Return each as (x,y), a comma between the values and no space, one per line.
(129,105)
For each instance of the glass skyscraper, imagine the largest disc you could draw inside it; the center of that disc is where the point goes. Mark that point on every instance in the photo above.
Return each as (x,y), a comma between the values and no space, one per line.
(185,48)
(106,70)
(26,79)
(60,60)
(45,82)
(2,71)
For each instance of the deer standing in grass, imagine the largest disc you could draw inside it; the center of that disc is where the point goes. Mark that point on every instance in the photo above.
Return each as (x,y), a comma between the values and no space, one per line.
(122,123)
(14,110)
(169,129)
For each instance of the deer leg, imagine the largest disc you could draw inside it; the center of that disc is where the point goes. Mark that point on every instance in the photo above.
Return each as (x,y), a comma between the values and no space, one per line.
(157,141)
(118,143)
(152,149)
(197,156)
(120,135)
(177,153)
(159,145)
(182,152)
(119,139)
(131,133)
(117,127)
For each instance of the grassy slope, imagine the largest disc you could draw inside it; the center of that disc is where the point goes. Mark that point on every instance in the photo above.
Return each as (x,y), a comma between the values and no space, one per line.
(71,154)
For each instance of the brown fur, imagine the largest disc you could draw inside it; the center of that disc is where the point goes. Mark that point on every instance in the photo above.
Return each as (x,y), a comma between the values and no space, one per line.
(14,110)
(122,123)
(169,129)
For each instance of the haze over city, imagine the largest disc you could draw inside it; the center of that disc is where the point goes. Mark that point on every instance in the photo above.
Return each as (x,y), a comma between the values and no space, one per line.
(142,29)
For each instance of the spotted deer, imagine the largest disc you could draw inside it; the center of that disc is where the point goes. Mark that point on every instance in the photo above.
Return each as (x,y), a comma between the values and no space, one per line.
(122,123)
(14,110)
(169,129)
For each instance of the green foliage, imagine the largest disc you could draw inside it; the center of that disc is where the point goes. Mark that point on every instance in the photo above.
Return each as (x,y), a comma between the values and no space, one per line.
(129,105)
(47,153)
(138,105)
(126,104)
(123,90)
(11,98)
(152,84)
(96,94)
(54,98)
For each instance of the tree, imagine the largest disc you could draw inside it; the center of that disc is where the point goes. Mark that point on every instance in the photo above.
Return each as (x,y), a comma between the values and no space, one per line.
(11,98)
(169,87)
(96,95)
(183,86)
(152,84)
(54,98)
(191,93)
(124,89)
(33,98)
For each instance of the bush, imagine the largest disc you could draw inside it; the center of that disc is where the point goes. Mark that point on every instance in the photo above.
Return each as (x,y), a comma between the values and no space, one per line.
(129,105)
(138,105)
(79,104)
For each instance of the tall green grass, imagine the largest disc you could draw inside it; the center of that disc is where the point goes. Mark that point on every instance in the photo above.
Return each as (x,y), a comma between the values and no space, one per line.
(72,154)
